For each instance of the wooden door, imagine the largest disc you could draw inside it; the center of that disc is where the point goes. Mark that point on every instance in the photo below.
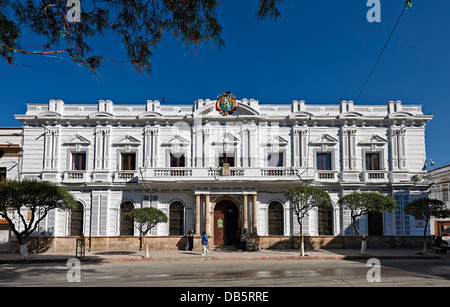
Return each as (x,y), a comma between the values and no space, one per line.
(219,224)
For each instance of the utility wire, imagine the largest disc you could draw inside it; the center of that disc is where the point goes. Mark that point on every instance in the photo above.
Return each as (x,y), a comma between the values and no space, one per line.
(382,51)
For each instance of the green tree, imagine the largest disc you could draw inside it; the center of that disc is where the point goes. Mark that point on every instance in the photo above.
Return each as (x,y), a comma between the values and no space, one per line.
(139,25)
(23,204)
(425,208)
(303,199)
(145,219)
(363,203)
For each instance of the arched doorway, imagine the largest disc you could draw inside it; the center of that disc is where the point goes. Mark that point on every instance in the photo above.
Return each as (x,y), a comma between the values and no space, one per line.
(226,223)
(276,219)
(76,220)
(176,219)
(126,224)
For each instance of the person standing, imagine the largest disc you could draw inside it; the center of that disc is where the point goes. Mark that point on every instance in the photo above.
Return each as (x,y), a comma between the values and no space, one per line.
(189,240)
(204,243)
(244,241)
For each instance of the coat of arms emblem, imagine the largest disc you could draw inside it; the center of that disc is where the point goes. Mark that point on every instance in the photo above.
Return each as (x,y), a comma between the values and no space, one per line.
(226,103)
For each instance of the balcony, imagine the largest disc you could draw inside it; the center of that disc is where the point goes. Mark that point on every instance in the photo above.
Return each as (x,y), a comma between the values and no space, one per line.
(218,173)
(125,176)
(326,176)
(75,176)
(375,176)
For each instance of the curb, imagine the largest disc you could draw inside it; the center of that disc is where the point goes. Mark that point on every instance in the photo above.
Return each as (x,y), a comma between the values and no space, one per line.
(111,260)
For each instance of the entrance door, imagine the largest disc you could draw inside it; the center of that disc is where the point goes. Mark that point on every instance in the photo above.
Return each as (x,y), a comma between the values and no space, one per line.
(375,221)
(225,223)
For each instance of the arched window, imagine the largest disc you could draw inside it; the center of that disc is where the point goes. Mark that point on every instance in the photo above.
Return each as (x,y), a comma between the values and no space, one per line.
(276,219)
(176,219)
(77,220)
(126,224)
(325,221)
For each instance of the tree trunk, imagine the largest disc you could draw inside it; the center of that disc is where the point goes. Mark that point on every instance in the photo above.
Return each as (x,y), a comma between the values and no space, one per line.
(424,251)
(302,242)
(23,252)
(147,254)
(363,237)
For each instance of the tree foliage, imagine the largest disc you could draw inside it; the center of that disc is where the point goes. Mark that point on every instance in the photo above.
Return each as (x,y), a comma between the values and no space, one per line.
(26,203)
(363,203)
(145,219)
(425,208)
(303,199)
(139,25)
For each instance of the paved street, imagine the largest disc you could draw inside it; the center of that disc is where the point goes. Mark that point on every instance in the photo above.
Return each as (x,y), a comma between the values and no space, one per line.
(223,273)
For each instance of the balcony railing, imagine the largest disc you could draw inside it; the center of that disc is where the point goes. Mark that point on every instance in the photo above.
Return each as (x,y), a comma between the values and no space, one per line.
(74,176)
(233,173)
(375,176)
(124,176)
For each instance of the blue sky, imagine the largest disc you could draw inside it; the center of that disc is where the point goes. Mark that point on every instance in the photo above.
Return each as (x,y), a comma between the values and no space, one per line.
(319,51)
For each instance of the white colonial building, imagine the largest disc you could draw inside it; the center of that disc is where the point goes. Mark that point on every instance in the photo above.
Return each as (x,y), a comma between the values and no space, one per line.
(222,168)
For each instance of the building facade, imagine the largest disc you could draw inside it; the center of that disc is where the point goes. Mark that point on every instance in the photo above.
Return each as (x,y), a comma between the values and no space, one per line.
(440,179)
(10,168)
(222,166)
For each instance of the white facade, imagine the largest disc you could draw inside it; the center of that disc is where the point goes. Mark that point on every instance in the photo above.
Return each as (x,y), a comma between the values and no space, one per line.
(156,154)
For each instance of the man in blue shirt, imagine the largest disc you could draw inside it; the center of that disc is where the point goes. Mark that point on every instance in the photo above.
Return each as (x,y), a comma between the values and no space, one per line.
(204,243)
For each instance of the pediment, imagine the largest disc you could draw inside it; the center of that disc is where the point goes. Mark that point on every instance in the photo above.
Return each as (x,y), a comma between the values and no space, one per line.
(277,140)
(48,114)
(401,114)
(77,139)
(227,138)
(374,140)
(350,115)
(149,114)
(325,139)
(176,141)
(302,115)
(100,115)
(127,140)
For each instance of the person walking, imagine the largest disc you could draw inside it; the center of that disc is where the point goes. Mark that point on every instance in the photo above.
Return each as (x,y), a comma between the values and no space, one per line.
(204,243)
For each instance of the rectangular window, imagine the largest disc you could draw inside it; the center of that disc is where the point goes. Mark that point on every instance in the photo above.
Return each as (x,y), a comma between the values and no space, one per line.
(128,161)
(275,159)
(323,161)
(2,173)
(177,160)
(79,161)
(373,161)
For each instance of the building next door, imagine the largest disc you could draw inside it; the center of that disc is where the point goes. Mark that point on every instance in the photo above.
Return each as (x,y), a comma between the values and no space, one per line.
(226,223)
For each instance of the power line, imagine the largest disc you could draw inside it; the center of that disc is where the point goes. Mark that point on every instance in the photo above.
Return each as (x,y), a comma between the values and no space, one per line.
(408,3)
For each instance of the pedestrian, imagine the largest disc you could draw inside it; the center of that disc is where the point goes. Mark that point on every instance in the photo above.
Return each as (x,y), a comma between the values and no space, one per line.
(204,243)
(244,241)
(190,240)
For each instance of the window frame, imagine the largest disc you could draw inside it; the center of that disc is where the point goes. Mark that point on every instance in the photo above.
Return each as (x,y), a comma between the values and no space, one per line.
(129,163)
(369,166)
(75,160)
(330,153)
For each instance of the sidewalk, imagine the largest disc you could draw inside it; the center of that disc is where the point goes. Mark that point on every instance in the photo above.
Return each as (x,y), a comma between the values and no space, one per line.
(267,254)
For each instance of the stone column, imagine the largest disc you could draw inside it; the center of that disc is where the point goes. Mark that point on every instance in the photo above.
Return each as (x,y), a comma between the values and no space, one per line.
(245,213)
(197,214)
(207,215)
(254,213)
